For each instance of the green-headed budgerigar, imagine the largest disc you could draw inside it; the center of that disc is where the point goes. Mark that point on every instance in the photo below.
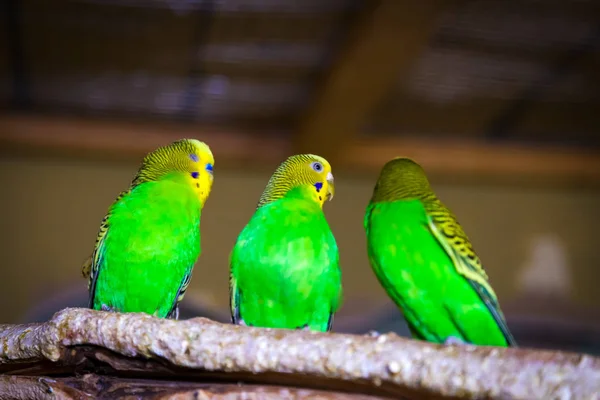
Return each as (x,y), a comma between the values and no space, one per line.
(426,263)
(150,239)
(284,270)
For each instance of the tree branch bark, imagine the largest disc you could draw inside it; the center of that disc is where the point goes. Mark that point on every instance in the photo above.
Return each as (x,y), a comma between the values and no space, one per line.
(141,346)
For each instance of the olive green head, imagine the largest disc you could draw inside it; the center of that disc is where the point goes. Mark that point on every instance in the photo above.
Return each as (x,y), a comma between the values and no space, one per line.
(302,170)
(400,179)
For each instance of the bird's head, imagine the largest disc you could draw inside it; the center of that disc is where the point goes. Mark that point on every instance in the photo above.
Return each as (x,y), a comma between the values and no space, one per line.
(309,171)
(401,178)
(187,160)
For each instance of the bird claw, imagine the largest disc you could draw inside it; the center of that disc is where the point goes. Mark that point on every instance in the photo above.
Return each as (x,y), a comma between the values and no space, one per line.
(47,383)
(174,314)
(454,341)
(107,308)
(373,333)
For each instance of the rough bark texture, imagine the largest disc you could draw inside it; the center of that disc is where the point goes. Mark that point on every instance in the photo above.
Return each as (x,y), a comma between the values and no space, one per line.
(138,345)
(93,386)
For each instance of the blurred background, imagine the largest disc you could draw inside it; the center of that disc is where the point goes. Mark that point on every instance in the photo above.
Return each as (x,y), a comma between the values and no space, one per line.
(499,101)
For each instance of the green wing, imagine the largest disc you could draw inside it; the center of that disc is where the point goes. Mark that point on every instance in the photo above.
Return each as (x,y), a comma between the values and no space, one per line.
(420,275)
(168,259)
(174,313)
(452,238)
(234,297)
(285,269)
(94,263)
(382,249)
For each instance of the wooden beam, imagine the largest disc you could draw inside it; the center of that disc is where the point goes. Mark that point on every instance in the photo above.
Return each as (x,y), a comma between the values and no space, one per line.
(127,139)
(543,107)
(68,36)
(442,157)
(477,160)
(509,50)
(473,117)
(382,46)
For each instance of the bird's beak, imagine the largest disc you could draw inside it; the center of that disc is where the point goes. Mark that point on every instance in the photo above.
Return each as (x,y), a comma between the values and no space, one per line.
(330,186)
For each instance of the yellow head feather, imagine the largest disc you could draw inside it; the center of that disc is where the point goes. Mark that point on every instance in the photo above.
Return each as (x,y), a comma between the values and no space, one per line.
(308,170)
(189,160)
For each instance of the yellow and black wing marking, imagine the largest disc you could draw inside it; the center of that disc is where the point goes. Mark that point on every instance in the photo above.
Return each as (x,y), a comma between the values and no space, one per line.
(92,265)
(234,300)
(174,313)
(450,235)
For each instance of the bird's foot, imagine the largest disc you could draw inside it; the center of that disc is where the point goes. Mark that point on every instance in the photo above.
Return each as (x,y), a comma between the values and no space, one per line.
(174,314)
(107,308)
(242,322)
(453,340)
(48,384)
(373,333)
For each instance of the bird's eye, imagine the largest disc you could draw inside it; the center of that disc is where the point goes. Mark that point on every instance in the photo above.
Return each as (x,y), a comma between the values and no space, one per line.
(317,166)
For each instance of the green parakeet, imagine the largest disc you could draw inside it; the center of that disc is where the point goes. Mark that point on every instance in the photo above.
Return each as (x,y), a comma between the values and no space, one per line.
(426,263)
(150,239)
(284,270)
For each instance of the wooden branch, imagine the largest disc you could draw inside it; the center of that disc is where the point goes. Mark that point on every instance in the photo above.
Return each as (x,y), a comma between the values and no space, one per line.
(381,47)
(386,365)
(95,386)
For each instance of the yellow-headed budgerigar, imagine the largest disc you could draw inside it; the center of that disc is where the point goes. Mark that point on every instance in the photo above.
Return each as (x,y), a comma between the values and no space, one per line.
(284,269)
(150,239)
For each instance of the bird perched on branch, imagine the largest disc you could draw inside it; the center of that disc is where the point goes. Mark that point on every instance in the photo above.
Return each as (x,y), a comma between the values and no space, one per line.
(426,263)
(150,239)
(284,270)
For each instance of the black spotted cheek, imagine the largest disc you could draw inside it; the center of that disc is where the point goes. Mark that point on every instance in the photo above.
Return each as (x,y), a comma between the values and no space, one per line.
(319,187)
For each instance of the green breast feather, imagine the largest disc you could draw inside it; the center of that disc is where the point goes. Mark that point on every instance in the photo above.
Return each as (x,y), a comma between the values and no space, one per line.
(284,267)
(424,261)
(146,249)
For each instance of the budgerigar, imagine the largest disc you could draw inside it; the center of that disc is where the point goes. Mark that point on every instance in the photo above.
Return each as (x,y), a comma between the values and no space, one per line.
(284,270)
(150,239)
(426,263)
